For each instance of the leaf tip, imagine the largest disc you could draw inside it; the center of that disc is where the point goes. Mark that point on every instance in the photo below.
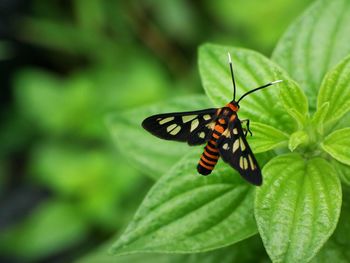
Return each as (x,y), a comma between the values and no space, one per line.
(296,139)
(291,147)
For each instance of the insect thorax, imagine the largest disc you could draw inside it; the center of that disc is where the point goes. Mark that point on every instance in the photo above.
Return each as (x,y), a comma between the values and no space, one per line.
(228,112)
(233,106)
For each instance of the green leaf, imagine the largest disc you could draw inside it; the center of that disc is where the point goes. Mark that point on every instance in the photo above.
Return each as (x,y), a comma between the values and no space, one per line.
(296,139)
(335,90)
(152,155)
(266,138)
(251,70)
(337,144)
(314,43)
(295,102)
(337,247)
(343,171)
(299,119)
(319,117)
(297,207)
(186,213)
(248,250)
(342,123)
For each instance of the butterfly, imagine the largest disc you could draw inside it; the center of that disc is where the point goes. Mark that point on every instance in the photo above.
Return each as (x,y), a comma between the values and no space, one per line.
(219,128)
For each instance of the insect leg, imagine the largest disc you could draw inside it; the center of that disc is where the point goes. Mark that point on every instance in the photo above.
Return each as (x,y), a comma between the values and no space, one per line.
(246,130)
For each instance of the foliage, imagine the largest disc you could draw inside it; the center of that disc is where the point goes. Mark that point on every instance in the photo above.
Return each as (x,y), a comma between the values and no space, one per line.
(244,251)
(298,206)
(64,188)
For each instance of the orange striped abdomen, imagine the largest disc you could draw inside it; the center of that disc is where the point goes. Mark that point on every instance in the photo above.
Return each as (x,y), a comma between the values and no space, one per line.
(210,156)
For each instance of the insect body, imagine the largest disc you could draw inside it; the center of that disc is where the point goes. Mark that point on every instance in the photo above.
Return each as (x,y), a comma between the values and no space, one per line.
(226,115)
(220,129)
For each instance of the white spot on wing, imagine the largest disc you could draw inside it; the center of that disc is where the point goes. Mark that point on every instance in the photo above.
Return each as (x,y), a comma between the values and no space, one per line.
(235,131)
(176,130)
(245,163)
(211,125)
(194,124)
(242,144)
(163,121)
(226,133)
(235,146)
(171,127)
(202,135)
(252,165)
(241,162)
(225,146)
(207,117)
(188,118)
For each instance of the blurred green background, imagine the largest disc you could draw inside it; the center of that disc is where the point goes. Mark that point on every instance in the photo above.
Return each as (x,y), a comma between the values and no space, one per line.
(64,187)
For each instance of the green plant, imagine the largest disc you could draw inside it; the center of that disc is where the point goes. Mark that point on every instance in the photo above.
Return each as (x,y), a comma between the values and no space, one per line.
(300,137)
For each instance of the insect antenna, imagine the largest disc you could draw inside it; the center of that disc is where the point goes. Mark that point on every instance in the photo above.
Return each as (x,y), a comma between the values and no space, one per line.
(232,75)
(262,87)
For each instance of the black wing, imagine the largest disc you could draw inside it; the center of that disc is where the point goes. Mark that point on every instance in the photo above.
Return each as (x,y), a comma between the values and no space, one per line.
(193,127)
(235,150)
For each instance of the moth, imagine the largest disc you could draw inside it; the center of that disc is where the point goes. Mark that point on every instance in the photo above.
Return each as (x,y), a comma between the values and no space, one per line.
(219,128)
